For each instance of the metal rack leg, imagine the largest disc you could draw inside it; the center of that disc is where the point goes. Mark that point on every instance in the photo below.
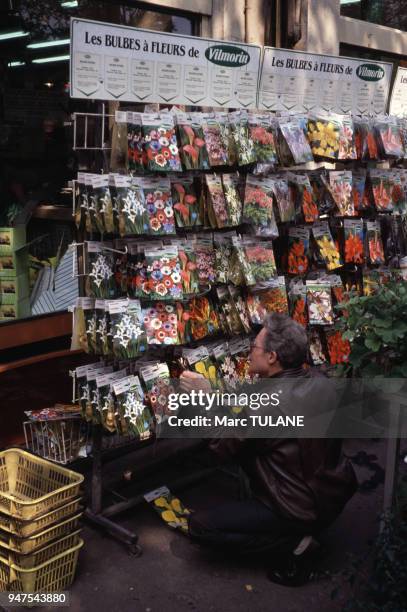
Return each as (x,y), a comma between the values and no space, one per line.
(94,513)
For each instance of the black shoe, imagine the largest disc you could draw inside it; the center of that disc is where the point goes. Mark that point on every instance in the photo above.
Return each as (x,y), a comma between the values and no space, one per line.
(296,569)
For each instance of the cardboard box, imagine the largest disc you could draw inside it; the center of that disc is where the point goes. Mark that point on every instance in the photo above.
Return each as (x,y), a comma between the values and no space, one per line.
(11,312)
(14,289)
(12,239)
(14,264)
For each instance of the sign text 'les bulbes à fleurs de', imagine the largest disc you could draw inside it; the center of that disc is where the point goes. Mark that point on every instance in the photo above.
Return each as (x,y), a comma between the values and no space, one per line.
(305,82)
(111,62)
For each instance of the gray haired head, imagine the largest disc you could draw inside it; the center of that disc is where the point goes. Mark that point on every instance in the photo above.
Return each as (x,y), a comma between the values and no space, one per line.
(287,338)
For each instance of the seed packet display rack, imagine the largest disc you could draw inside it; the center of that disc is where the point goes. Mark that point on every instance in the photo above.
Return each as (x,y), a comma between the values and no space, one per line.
(240,229)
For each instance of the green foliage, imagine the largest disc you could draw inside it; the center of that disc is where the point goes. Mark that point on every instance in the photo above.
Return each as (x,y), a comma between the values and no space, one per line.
(383,588)
(376,327)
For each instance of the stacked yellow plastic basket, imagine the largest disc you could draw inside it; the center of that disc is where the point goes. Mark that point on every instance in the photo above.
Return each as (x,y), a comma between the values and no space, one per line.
(39,523)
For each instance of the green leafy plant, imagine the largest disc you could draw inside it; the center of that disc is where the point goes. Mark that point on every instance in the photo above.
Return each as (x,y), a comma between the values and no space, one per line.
(376,327)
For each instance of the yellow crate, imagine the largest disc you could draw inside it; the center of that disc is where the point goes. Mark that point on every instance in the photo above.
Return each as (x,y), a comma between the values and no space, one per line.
(37,541)
(31,486)
(24,529)
(43,554)
(52,576)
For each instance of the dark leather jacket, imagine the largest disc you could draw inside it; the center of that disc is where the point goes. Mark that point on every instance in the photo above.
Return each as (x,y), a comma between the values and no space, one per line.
(302,479)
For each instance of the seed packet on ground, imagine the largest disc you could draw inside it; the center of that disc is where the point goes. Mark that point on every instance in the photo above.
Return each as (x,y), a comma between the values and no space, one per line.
(169,507)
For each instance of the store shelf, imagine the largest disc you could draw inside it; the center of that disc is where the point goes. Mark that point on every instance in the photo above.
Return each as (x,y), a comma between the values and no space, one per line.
(35,329)
(53,213)
(20,363)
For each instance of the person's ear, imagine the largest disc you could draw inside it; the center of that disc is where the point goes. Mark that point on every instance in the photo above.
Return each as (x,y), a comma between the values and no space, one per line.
(272,358)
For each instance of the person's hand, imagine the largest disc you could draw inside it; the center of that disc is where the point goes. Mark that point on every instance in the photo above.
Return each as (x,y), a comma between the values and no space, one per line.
(192,381)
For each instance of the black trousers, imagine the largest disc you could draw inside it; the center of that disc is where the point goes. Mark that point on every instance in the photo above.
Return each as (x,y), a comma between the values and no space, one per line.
(245,527)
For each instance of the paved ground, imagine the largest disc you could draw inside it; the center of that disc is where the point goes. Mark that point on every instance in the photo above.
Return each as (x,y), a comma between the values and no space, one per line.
(172,574)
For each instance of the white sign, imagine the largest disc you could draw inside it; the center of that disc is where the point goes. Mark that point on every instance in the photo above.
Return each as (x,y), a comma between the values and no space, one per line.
(398,103)
(301,82)
(111,62)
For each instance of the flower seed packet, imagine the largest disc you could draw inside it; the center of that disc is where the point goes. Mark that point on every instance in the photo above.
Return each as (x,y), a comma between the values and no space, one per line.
(203,318)
(261,133)
(241,307)
(99,263)
(338,348)
(156,379)
(132,211)
(188,270)
(98,200)
(105,409)
(306,197)
(218,215)
(347,148)
(266,298)
(381,181)
(296,140)
(161,143)
(298,249)
(319,302)
(223,252)
(88,308)
(136,153)
(354,250)
(186,202)
(199,360)
(323,136)
(258,206)
(297,297)
(102,328)
(317,352)
(158,202)
(226,131)
(134,417)
(326,245)
(127,332)
(228,313)
(161,323)
(91,220)
(234,204)
(375,243)
(90,400)
(260,261)
(81,201)
(192,146)
(284,197)
(358,189)
(205,260)
(341,186)
(215,143)
(164,272)
(365,139)
(239,123)
(389,137)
